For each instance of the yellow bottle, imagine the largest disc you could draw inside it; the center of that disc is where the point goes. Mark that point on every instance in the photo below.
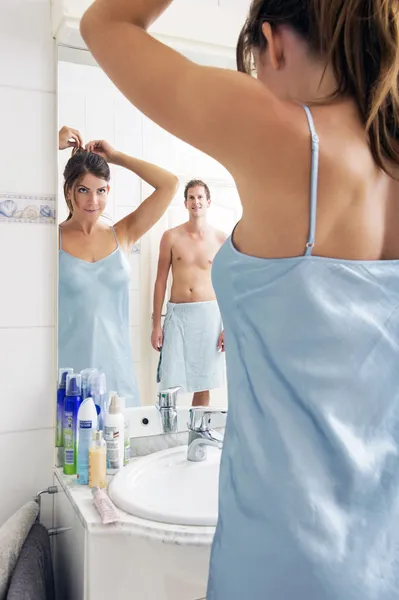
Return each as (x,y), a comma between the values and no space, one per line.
(98,461)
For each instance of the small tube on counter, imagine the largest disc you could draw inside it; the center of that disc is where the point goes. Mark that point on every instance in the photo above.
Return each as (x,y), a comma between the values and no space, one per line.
(105,507)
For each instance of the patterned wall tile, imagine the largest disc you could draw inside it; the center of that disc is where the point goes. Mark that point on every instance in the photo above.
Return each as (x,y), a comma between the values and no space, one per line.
(25,208)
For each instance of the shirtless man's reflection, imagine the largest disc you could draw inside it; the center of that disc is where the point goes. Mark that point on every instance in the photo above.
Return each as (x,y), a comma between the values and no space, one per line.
(191,341)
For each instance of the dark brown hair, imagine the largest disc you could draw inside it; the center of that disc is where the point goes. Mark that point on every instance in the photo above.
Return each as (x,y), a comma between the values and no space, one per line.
(80,163)
(360,39)
(197,183)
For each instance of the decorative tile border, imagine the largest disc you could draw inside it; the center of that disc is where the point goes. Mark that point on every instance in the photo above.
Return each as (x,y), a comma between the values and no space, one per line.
(24,208)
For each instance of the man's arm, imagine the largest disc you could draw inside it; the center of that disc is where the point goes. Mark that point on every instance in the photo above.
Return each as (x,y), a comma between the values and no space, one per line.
(164,264)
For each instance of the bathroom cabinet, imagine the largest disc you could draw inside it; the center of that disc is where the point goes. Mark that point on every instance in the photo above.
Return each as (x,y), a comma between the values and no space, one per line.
(131,559)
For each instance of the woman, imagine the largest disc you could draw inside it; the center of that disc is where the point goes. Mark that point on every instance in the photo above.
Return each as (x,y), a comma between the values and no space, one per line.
(309,491)
(94,270)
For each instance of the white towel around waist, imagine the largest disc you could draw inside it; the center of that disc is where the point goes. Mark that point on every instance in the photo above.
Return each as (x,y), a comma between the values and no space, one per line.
(189,356)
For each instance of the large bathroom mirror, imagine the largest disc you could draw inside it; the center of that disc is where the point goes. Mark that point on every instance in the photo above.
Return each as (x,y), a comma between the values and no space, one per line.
(106,313)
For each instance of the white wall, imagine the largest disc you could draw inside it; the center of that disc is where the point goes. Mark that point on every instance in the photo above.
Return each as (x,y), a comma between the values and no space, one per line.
(27,254)
(202,23)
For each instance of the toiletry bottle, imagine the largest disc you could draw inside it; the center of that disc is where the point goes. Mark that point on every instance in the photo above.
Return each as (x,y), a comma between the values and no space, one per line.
(126,435)
(108,401)
(114,427)
(60,405)
(87,424)
(98,461)
(86,374)
(97,390)
(73,401)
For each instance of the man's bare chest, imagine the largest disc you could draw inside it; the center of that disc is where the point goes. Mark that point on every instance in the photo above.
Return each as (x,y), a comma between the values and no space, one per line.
(194,254)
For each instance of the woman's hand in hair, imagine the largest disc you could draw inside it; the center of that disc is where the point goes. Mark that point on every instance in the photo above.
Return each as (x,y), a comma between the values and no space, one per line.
(69,138)
(103,149)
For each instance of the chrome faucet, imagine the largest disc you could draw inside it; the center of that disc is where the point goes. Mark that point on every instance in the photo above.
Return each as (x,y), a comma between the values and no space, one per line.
(200,434)
(167,400)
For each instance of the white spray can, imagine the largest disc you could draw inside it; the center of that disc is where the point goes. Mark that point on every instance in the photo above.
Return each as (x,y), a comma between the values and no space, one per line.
(114,429)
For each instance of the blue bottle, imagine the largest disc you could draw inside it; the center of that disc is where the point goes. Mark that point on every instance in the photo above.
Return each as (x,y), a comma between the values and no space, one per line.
(73,400)
(59,441)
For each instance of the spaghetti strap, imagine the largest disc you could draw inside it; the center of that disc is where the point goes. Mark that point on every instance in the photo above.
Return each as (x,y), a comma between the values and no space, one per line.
(116,237)
(60,233)
(314,176)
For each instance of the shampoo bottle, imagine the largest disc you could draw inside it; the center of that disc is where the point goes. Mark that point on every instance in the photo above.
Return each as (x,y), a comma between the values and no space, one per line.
(87,424)
(59,442)
(98,462)
(114,427)
(73,401)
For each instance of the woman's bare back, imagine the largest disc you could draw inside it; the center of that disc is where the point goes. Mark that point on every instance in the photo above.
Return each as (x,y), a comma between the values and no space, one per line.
(357,206)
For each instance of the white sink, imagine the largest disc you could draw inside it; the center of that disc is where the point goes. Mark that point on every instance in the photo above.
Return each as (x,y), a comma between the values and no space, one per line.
(167,488)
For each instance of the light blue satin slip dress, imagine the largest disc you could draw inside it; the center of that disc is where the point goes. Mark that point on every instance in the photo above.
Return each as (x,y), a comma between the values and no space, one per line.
(309,484)
(93,319)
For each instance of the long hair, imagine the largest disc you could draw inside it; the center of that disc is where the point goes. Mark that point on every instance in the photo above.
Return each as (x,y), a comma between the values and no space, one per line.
(360,39)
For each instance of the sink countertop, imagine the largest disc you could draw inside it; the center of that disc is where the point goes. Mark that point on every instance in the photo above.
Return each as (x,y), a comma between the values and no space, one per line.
(81,499)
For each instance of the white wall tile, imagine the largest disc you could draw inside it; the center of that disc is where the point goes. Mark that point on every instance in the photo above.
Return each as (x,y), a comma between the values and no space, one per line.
(135,261)
(127,187)
(71,112)
(134,309)
(135,340)
(143,387)
(177,215)
(28,255)
(28,260)
(157,144)
(28,154)
(128,127)
(25,36)
(75,78)
(26,464)
(193,163)
(100,112)
(27,375)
